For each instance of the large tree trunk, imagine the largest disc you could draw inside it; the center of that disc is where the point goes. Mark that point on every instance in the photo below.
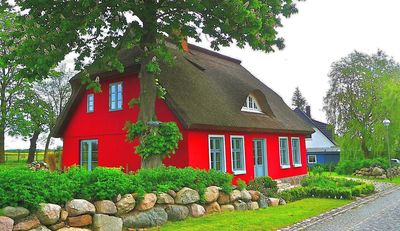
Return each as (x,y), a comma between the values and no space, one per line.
(367,152)
(46,147)
(148,94)
(32,147)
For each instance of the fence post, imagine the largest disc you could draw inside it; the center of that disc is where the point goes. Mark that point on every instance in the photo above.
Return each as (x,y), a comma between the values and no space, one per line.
(19,153)
(36,153)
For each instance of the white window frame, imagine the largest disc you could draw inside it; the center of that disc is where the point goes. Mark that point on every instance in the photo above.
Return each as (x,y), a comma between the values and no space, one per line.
(293,159)
(116,102)
(308,159)
(251,108)
(88,109)
(284,166)
(223,148)
(240,171)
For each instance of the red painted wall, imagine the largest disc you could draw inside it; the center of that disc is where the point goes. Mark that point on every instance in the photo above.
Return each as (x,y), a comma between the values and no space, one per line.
(114,151)
(107,127)
(199,153)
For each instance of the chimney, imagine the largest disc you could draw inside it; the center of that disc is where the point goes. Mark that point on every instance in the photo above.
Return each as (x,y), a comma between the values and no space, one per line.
(185,45)
(308,111)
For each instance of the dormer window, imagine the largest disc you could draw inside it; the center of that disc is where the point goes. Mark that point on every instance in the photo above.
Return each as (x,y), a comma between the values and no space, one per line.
(251,105)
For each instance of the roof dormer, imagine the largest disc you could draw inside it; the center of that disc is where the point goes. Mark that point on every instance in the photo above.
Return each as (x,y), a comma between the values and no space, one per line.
(251,105)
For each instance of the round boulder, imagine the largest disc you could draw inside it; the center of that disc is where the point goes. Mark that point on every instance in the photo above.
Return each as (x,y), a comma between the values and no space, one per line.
(211,194)
(245,195)
(164,198)
(6,223)
(225,208)
(155,216)
(27,223)
(148,202)
(223,198)
(187,196)
(15,212)
(262,202)
(240,205)
(40,228)
(105,207)
(255,195)
(252,205)
(235,195)
(48,214)
(196,210)
(126,204)
(103,222)
(78,207)
(273,202)
(177,212)
(213,208)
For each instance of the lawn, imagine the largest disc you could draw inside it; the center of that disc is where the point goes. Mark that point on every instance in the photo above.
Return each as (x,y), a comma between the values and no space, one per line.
(395,180)
(264,219)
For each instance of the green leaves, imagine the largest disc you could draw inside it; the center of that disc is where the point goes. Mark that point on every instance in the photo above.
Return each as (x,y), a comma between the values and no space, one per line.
(159,140)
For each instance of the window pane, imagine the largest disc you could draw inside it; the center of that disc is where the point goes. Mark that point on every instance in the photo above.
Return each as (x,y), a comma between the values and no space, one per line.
(283,146)
(216,153)
(237,153)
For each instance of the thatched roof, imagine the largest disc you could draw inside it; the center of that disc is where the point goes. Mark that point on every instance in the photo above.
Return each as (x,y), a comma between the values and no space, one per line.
(207,90)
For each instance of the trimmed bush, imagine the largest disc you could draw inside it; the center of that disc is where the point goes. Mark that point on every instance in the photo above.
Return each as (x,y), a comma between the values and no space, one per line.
(328,187)
(22,187)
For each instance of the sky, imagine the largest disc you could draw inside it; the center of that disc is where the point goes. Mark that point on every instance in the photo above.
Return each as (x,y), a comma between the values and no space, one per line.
(321,33)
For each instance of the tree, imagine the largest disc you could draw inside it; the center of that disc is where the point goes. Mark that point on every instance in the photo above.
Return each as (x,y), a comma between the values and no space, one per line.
(298,100)
(10,85)
(354,101)
(30,118)
(98,29)
(55,92)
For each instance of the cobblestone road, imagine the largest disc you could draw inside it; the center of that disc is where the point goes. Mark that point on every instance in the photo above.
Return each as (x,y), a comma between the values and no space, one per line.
(381,214)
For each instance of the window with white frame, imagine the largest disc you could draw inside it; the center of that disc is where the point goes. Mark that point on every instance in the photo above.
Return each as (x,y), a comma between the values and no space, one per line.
(251,104)
(90,103)
(284,152)
(312,159)
(237,152)
(116,96)
(217,152)
(296,156)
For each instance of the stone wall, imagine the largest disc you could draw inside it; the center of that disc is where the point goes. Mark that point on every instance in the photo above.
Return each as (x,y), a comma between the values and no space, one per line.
(378,172)
(126,212)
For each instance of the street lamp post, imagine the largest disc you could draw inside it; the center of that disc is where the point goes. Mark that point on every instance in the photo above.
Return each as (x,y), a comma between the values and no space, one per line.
(386,123)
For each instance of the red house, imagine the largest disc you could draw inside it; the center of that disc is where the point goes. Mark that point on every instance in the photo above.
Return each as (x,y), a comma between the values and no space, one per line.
(230,120)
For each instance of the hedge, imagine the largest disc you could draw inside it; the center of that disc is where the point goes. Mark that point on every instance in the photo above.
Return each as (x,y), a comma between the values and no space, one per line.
(327,187)
(22,187)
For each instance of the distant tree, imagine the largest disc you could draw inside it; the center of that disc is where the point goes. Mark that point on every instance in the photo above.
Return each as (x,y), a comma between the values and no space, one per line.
(354,101)
(298,100)
(30,117)
(96,30)
(55,92)
(10,85)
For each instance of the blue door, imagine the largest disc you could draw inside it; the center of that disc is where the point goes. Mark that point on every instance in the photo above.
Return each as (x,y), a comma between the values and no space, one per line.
(260,156)
(88,155)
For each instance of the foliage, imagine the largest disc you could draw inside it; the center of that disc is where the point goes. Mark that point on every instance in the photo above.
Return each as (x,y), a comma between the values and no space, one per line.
(10,86)
(328,187)
(98,30)
(348,167)
(325,168)
(357,102)
(241,184)
(21,187)
(317,170)
(298,100)
(164,178)
(265,185)
(155,140)
(273,218)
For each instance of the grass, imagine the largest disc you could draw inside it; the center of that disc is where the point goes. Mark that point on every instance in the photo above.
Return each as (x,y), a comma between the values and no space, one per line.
(264,219)
(12,164)
(394,180)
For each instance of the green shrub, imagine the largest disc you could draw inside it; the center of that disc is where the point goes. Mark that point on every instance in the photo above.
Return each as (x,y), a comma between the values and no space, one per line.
(265,185)
(241,184)
(348,167)
(22,187)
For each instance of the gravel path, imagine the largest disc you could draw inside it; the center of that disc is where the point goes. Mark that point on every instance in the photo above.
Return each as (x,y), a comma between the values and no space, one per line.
(380,211)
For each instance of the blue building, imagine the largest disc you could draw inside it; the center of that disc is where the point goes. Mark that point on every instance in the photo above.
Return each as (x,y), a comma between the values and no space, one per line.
(321,148)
